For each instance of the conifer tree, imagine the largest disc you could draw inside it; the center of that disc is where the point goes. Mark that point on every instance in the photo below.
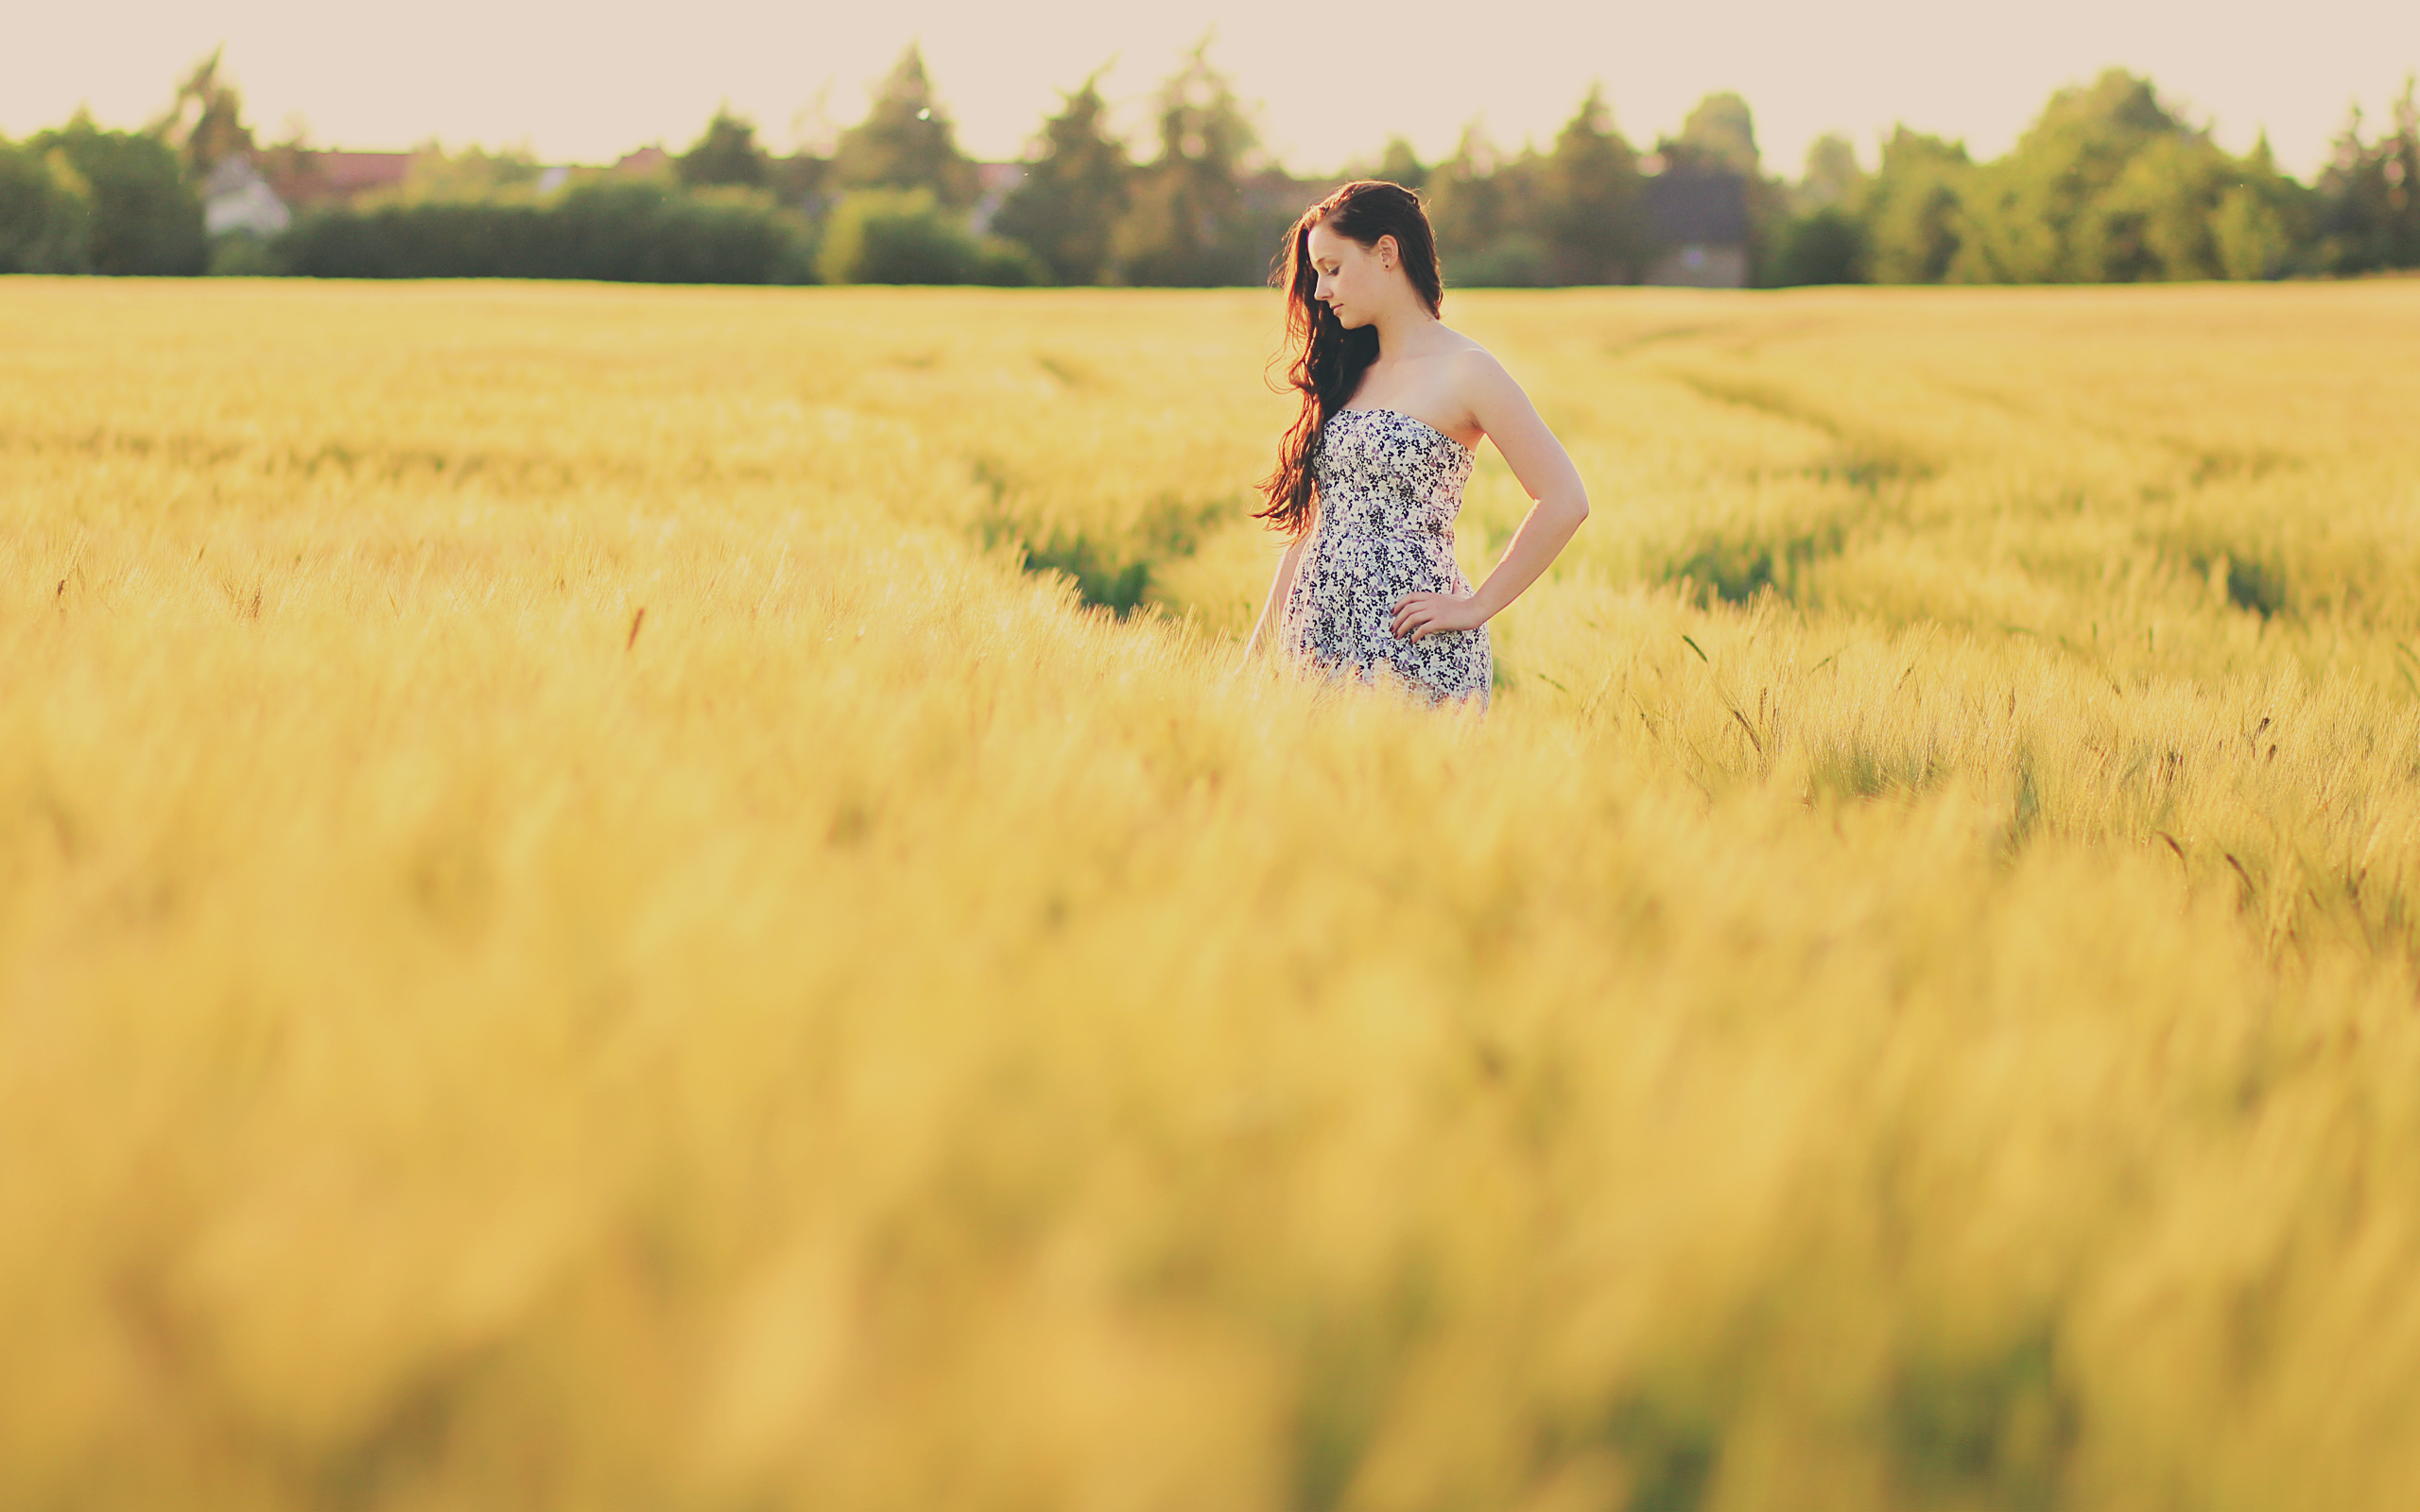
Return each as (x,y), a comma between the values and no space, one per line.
(1189,226)
(1075,190)
(1465,202)
(1597,224)
(1401,164)
(726,153)
(905,141)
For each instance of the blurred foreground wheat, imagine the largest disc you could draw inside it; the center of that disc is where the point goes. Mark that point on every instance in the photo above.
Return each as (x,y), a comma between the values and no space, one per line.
(574,933)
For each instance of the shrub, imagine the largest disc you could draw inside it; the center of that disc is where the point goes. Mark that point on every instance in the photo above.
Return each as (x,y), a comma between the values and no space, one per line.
(1513,260)
(646,233)
(616,233)
(907,236)
(242,254)
(1825,245)
(1002,263)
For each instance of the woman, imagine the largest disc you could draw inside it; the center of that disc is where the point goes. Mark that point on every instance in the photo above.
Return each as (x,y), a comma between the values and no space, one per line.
(1370,476)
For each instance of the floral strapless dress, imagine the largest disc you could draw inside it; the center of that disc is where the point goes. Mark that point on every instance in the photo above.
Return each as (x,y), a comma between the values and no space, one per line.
(1389,487)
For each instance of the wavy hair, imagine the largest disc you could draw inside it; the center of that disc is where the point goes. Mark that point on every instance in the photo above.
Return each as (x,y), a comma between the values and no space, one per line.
(1327,359)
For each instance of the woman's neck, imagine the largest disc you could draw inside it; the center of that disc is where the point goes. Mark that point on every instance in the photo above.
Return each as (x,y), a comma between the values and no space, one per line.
(1399,327)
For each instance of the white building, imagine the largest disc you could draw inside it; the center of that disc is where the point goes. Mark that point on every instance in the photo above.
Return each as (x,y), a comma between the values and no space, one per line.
(237,198)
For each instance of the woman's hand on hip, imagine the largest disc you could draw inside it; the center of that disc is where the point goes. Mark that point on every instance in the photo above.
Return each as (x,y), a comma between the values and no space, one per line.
(1418,616)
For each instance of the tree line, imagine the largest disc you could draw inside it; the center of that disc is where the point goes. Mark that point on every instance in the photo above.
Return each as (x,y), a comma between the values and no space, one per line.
(2108,185)
(2111,183)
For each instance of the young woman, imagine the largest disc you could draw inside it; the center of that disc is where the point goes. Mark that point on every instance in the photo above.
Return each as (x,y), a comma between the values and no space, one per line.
(1370,478)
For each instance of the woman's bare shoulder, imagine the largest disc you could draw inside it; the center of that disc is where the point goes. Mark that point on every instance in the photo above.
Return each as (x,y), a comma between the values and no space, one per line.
(1475,368)
(1469,360)
(1452,342)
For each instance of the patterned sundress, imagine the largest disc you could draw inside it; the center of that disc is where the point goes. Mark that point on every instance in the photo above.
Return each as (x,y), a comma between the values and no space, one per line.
(1389,487)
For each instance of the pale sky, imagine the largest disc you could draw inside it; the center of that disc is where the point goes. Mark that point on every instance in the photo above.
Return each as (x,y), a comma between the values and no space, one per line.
(1328,83)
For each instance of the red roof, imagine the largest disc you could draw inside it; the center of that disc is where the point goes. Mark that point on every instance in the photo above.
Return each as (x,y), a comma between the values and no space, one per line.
(312,176)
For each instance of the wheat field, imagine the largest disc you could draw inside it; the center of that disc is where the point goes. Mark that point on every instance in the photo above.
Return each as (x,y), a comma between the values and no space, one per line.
(590,919)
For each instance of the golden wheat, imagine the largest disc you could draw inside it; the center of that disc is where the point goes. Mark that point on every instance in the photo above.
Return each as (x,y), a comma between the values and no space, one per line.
(574,933)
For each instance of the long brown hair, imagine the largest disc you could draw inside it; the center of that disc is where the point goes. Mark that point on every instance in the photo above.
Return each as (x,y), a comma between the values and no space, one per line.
(1328,360)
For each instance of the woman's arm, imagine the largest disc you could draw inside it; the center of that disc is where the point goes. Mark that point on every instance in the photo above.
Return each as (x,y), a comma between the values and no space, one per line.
(1280,589)
(1546,473)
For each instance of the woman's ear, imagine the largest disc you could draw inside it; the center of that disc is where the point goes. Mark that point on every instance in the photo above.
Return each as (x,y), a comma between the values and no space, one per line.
(1389,253)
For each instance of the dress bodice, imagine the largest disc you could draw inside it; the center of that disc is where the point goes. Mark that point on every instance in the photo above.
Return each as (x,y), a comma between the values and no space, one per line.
(1381,470)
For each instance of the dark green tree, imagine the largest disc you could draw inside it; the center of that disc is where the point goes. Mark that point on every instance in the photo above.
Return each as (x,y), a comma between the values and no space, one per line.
(906,141)
(1075,188)
(1827,244)
(204,123)
(45,213)
(1488,211)
(146,212)
(1823,240)
(1190,225)
(1465,203)
(1595,205)
(2159,219)
(2262,219)
(2368,199)
(1720,132)
(725,153)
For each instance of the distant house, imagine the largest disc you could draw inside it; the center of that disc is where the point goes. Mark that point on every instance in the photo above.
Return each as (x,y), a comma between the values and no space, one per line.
(262,195)
(309,178)
(1701,220)
(646,163)
(237,199)
(259,195)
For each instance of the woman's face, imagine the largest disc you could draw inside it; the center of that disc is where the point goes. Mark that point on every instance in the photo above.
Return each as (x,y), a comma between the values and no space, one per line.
(1353,280)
